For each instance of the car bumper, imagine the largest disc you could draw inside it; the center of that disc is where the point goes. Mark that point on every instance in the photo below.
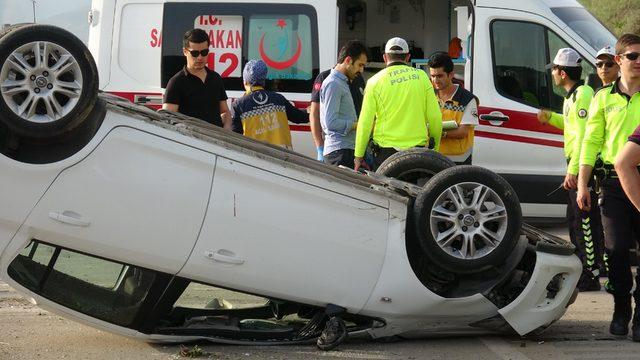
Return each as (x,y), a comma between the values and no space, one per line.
(550,290)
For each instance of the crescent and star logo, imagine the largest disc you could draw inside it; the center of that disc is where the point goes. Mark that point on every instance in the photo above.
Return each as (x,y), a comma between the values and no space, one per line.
(282,45)
(260,98)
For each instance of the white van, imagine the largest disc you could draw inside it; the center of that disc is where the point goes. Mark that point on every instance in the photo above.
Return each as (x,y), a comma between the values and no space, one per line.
(137,45)
(68,14)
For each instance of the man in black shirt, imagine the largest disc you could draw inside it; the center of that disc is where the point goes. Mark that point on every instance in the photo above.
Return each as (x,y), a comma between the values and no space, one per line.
(357,93)
(195,90)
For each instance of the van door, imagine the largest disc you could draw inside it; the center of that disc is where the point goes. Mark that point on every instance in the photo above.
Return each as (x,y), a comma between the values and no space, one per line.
(511,50)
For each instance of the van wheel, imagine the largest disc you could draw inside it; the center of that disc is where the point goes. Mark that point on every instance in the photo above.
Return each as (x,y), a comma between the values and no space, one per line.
(467,219)
(48,81)
(414,166)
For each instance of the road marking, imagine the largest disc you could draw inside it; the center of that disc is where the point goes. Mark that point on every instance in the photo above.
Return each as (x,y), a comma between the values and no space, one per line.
(503,349)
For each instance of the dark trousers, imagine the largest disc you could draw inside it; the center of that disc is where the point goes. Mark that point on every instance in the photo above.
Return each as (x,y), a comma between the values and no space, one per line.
(381,154)
(344,157)
(621,221)
(585,232)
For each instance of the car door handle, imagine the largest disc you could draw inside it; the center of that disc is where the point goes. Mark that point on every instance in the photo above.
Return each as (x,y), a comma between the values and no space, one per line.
(147,99)
(494,118)
(69,218)
(224,256)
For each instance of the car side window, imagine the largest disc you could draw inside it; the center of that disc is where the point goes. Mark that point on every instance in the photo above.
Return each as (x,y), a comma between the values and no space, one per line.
(104,289)
(520,71)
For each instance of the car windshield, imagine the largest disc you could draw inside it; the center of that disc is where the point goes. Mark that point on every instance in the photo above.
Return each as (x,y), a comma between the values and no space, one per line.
(585,25)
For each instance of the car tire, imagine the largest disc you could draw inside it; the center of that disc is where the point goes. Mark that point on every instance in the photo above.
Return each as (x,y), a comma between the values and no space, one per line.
(414,166)
(467,219)
(46,98)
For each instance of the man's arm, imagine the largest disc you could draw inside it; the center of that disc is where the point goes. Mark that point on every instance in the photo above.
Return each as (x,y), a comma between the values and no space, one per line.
(580,116)
(627,170)
(225,115)
(365,124)
(170,107)
(467,123)
(591,147)
(549,117)
(294,114)
(316,128)
(331,99)
(171,98)
(434,118)
(236,120)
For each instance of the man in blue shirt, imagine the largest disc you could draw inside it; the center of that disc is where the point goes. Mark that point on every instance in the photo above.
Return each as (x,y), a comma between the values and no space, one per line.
(337,112)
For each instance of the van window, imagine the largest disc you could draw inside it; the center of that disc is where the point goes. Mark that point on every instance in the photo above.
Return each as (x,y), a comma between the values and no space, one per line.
(285,36)
(100,288)
(520,71)
(588,70)
(585,25)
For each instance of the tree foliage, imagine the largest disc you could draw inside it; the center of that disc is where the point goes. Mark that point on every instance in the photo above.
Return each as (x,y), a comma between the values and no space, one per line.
(620,16)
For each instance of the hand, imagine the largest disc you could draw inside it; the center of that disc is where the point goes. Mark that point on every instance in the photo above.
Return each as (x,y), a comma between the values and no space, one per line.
(570,182)
(583,198)
(360,163)
(319,155)
(544,116)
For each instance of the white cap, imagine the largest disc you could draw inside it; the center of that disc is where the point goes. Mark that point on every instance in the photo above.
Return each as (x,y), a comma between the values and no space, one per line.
(607,50)
(399,42)
(566,57)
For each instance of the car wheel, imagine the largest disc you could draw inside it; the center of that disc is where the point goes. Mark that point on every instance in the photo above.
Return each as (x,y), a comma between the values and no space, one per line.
(467,219)
(48,81)
(414,166)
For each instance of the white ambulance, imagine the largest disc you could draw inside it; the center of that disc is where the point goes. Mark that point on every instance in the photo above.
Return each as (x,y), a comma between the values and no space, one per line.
(137,46)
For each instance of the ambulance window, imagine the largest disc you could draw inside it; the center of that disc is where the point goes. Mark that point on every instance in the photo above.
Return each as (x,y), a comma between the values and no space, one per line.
(139,43)
(285,36)
(284,43)
(519,70)
(225,43)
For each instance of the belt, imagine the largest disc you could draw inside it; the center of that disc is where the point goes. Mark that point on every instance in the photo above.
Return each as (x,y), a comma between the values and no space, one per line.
(610,171)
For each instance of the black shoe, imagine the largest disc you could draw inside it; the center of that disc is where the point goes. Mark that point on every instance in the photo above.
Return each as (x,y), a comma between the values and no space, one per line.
(588,283)
(334,333)
(621,315)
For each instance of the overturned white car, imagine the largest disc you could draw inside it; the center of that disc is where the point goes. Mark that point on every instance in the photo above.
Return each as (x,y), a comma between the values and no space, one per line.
(110,211)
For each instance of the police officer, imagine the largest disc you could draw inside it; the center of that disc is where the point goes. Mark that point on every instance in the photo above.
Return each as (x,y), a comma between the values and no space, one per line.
(614,115)
(608,69)
(401,102)
(585,227)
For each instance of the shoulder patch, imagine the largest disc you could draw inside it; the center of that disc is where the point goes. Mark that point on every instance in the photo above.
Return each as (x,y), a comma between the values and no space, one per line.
(582,113)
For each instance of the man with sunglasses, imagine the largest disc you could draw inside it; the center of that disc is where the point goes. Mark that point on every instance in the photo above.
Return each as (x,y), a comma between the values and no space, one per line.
(195,90)
(613,116)
(607,68)
(585,229)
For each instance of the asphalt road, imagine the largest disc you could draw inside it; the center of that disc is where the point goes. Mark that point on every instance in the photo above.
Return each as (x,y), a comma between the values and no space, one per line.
(28,332)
